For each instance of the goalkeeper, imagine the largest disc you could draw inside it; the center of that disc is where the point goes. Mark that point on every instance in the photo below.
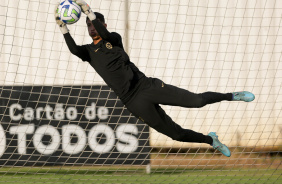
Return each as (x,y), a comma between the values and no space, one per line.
(140,94)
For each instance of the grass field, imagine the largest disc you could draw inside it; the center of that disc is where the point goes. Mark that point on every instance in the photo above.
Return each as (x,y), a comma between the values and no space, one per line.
(157,176)
(166,168)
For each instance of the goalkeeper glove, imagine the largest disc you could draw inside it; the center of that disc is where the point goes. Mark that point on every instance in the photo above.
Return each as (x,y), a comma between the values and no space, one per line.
(63,27)
(86,9)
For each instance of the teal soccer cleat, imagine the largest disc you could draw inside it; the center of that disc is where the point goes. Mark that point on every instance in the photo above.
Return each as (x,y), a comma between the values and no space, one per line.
(218,145)
(243,96)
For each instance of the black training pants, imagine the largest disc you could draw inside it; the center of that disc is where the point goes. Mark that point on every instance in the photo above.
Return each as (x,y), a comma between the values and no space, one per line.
(144,104)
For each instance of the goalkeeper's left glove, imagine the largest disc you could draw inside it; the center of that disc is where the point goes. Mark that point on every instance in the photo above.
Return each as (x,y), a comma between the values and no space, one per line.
(86,9)
(63,27)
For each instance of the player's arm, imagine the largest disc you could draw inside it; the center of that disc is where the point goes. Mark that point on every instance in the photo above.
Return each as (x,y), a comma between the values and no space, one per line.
(113,38)
(79,51)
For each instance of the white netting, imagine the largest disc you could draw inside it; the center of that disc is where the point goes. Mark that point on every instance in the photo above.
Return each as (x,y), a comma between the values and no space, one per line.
(202,45)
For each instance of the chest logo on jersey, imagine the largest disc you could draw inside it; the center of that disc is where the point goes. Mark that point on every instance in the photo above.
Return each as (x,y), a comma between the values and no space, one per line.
(109,45)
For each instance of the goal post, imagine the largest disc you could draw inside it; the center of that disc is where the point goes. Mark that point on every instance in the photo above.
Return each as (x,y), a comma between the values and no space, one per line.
(60,122)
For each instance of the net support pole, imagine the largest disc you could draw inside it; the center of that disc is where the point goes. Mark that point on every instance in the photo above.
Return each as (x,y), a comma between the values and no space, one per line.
(148,168)
(126,36)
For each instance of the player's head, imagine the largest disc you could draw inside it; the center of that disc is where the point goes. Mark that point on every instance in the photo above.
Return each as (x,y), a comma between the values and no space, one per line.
(91,29)
(99,16)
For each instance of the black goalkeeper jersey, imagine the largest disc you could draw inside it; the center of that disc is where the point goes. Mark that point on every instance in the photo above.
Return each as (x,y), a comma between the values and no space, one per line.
(109,60)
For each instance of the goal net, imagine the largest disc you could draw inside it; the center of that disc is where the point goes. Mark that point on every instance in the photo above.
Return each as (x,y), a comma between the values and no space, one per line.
(61,123)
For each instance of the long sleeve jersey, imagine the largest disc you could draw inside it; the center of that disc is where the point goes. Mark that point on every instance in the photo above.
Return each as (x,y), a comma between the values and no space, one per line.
(109,60)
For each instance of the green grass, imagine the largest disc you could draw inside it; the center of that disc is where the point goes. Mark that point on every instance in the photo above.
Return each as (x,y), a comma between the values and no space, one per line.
(127,175)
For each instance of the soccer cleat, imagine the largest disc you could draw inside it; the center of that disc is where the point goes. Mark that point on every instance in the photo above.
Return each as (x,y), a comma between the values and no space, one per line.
(243,96)
(218,145)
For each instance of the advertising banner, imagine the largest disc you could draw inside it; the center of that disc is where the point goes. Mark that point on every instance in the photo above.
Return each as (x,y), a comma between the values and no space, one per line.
(68,125)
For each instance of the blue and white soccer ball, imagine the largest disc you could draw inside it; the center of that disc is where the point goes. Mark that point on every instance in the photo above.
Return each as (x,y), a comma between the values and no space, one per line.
(69,12)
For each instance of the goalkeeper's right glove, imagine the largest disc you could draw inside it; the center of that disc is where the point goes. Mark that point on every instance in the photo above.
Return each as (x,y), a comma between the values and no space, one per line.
(86,9)
(63,27)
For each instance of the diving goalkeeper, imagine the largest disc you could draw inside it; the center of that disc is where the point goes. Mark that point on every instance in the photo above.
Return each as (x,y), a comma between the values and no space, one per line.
(140,94)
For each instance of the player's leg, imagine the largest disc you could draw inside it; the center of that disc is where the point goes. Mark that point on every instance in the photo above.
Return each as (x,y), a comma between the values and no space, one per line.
(166,94)
(155,117)
(161,93)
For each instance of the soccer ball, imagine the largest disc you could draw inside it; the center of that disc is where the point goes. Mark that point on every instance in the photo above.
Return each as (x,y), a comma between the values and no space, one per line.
(69,12)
